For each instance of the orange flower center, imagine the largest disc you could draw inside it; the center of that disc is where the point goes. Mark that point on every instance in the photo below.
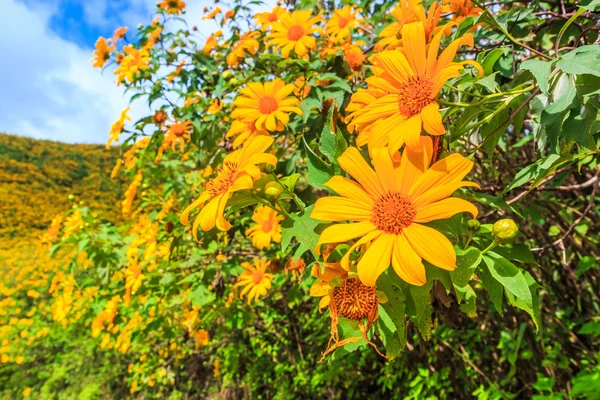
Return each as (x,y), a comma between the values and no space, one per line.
(393,212)
(343,21)
(179,129)
(272,17)
(257,277)
(267,104)
(414,95)
(354,300)
(251,126)
(295,32)
(226,175)
(267,226)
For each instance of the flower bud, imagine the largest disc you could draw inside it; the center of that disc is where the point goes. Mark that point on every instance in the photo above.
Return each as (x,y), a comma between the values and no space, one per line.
(71,197)
(504,231)
(227,74)
(269,168)
(234,81)
(273,190)
(474,224)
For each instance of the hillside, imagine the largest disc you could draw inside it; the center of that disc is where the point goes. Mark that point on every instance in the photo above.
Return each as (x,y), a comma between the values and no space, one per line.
(37,176)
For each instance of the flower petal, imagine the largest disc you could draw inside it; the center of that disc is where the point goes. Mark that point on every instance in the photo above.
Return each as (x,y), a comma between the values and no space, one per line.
(343,232)
(349,189)
(354,164)
(432,119)
(444,209)
(333,208)
(431,245)
(447,170)
(376,259)
(414,164)
(407,263)
(384,167)
(413,39)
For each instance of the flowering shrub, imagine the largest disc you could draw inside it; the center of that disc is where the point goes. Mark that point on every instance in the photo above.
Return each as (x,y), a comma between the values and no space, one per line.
(318,159)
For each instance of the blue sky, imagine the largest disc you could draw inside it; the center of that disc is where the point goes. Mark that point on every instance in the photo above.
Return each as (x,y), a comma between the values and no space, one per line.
(49,89)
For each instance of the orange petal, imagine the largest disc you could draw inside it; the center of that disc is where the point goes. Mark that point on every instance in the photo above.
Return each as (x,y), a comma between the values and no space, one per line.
(444,209)
(349,189)
(413,39)
(353,163)
(407,263)
(335,208)
(450,169)
(431,245)
(414,164)
(340,233)
(376,259)
(432,119)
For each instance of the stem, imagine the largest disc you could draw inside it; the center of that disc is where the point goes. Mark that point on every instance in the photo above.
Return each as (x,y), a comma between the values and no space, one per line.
(490,247)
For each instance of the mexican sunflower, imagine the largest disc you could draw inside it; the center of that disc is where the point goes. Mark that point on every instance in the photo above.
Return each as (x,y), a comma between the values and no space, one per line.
(102,52)
(248,43)
(406,12)
(293,32)
(342,21)
(461,9)
(135,61)
(266,19)
(267,105)
(255,279)
(401,96)
(243,131)
(388,206)
(238,172)
(267,227)
(172,6)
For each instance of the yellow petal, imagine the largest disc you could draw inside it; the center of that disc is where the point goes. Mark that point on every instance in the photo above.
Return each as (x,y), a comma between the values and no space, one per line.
(350,189)
(208,215)
(353,163)
(431,245)
(395,64)
(409,132)
(343,232)
(413,39)
(439,192)
(448,170)
(334,208)
(376,259)
(319,289)
(364,240)
(184,219)
(385,169)
(407,263)
(432,119)
(414,164)
(444,209)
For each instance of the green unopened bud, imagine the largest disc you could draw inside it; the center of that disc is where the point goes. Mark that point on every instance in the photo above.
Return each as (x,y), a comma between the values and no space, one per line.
(269,168)
(81,203)
(273,190)
(474,224)
(226,74)
(504,231)
(71,197)
(234,81)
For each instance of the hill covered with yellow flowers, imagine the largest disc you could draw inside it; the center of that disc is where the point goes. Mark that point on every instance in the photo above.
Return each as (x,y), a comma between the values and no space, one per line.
(37,177)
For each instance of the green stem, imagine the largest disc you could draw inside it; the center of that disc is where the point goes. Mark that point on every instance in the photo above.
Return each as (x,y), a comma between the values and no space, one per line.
(490,247)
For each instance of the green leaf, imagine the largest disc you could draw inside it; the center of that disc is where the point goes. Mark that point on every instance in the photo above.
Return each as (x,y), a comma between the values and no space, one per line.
(490,59)
(332,144)
(494,288)
(541,71)
(489,82)
(509,276)
(582,60)
(590,4)
(201,296)
(303,227)
(318,171)
(466,262)
(393,337)
(532,309)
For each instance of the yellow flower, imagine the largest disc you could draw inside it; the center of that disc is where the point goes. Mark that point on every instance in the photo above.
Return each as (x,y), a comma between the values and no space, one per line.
(172,6)
(461,9)
(266,228)
(255,279)
(212,14)
(244,132)
(293,32)
(202,337)
(266,19)
(178,133)
(135,61)
(211,42)
(354,55)
(248,43)
(341,22)
(119,34)
(268,105)
(401,97)
(133,276)
(26,392)
(296,268)
(239,171)
(117,127)
(215,106)
(102,52)
(390,204)
(130,193)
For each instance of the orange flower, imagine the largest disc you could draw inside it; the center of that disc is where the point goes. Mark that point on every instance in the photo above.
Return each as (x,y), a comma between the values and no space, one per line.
(102,52)
(461,9)
(388,206)
(354,55)
(135,61)
(228,14)
(244,132)
(341,22)
(401,97)
(255,279)
(266,19)
(119,34)
(248,43)
(294,32)
(117,127)
(211,42)
(177,134)
(212,14)
(174,7)
(266,227)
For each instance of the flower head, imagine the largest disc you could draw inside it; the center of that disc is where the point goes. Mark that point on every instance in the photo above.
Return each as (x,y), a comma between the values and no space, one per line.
(117,127)
(238,172)
(341,22)
(268,105)
(401,96)
(461,9)
(248,43)
(119,34)
(389,205)
(243,131)
(135,61)
(212,14)
(174,7)
(267,227)
(255,279)
(211,42)
(294,31)
(177,134)
(102,52)
(266,19)
(294,267)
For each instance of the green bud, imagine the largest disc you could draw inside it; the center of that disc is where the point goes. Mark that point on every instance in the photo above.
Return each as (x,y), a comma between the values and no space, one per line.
(227,74)
(504,231)
(269,168)
(234,81)
(474,224)
(273,190)
(71,197)
(81,203)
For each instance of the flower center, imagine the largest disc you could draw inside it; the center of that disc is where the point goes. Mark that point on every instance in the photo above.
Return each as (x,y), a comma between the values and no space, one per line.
(267,104)
(251,126)
(267,226)
(226,175)
(414,95)
(354,300)
(272,17)
(257,277)
(295,32)
(343,21)
(179,129)
(393,212)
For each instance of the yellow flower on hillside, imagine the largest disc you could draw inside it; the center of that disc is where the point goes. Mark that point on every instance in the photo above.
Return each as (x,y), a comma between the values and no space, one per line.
(117,127)
(248,43)
(389,206)
(238,172)
(294,31)
(134,61)
(342,22)
(102,52)
(266,19)
(407,12)
(268,105)
(267,227)
(244,131)
(133,275)
(174,7)
(255,279)
(401,98)
(211,42)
